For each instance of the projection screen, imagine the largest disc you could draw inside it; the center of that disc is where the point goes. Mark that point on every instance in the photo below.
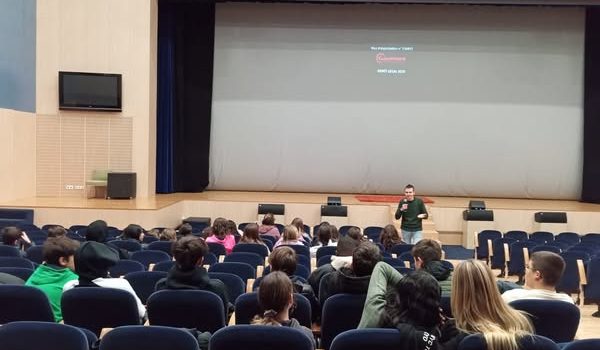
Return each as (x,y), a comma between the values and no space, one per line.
(365,98)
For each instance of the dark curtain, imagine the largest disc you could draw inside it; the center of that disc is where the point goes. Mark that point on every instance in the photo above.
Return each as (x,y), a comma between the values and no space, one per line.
(590,191)
(185,74)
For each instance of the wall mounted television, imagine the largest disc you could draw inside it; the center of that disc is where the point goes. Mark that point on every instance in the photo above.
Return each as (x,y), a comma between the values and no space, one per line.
(89,91)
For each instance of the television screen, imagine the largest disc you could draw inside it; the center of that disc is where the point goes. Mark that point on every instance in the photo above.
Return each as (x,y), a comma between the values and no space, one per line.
(89,91)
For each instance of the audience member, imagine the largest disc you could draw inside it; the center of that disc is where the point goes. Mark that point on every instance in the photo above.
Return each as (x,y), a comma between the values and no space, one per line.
(184,230)
(542,273)
(428,254)
(343,258)
(188,273)
(221,235)
(478,307)
(268,227)
(323,238)
(290,237)
(133,232)
(56,231)
(233,230)
(276,297)
(14,236)
(56,271)
(97,231)
(356,234)
(250,235)
(299,224)
(168,234)
(389,237)
(353,279)
(92,262)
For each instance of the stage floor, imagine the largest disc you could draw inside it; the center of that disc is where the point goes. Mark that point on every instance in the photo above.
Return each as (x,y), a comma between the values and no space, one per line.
(160,201)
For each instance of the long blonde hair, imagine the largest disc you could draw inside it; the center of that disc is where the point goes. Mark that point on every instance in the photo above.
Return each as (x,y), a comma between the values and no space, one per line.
(290,234)
(479,308)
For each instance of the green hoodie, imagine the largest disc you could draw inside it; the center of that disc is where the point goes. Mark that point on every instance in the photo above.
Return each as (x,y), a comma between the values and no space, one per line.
(51,279)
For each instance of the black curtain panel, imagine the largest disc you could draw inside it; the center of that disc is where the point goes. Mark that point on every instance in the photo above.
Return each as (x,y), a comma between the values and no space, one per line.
(185,67)
(590,191)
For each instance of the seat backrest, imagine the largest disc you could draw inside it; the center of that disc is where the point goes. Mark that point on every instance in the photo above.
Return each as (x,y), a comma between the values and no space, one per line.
(123,267)
(482,238)
(498,252)
(569,237)
(198,309)
(299,249)
(127,244)
(542,236)
(147,257)
(591,238)
(216,248)
(164,266)
(546,248)
(400,248)
(324,260)
(517,235)
(148,338)
(535,342)
(326,250)
(251,259)
(35,254)
(344,229)
(341,312)
(144,282)
(373,232)
(27,335)
(247,307)
(570,281)
(164,246)
(555,319)
(592,288)
(255,248)
(24,303)
(362,339)
(12,261)
(9,251)
(95,308)
(234,284)
(516,265)
(243,270)
(259,337)
(584,344)
(21,272)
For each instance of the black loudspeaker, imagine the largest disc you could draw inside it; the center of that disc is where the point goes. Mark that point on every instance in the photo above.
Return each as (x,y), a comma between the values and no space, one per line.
(549,216)
(334,210)
(478,215)
(275,209)
(334,200)
(476,205)
(121,185)
(197,221)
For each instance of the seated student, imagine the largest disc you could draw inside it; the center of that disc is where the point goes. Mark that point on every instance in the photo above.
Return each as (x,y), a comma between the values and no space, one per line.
(250,235)
(168,234)
(268,227)
(299,224)
(183,230)
(133,232)
(284,259)
(342,258)
(356,234)
(290,236)
(410,304)
(92,261)
(542,273)
(324,238)
(56,231)
(478,307)
(221,235)
(188,273)
(15,237)
(428,255)
(97,231)
(233,230)
(56,271)
(389,237)
(355,278)
(276,297)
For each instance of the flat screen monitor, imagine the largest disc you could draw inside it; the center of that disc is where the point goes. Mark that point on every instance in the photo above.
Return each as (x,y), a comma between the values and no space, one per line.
(89,91)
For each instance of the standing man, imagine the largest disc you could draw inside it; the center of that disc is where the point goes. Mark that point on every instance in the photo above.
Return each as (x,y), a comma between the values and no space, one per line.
(412,211)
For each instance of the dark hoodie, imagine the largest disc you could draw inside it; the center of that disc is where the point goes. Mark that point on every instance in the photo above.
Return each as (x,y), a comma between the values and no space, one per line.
(92,260)
(97,231)
(442,273)
(342,281)
(197,278)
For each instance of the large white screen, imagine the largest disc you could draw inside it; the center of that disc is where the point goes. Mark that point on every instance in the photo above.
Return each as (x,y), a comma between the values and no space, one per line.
(459,100)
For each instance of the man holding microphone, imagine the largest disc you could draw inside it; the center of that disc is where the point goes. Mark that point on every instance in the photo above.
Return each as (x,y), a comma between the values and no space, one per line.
(412,211)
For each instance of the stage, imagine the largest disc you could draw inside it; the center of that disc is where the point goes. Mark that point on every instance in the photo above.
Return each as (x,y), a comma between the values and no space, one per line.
(445,223)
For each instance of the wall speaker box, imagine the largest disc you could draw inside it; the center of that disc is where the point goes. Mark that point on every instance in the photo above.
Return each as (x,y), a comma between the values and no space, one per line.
(334,200)
(121,185)
(478,215)
(549,216)
(275,209)
(476,205)
(334,210)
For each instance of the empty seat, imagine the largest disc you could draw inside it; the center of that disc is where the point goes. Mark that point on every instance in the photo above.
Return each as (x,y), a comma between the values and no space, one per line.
(260,337)
(11,261)
(24,303)
(148,338)
(144,282)
(147,257)
(42,335)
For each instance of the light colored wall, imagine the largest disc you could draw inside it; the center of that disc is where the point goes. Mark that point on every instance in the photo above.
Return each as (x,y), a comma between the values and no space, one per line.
(17,154)
(111,36)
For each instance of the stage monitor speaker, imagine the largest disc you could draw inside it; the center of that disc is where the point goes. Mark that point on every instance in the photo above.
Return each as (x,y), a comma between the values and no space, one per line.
(275,209)
(334,210)
(478,215)
(551,217)
(334,200)
(476,205)
(121,185)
